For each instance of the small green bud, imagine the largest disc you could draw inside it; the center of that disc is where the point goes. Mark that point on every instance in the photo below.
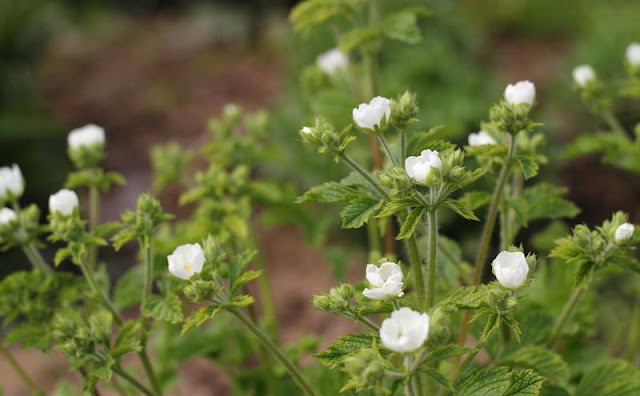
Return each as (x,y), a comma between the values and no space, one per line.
(199,290)
(322,303)
(395,179)
(403,110)
(365,369)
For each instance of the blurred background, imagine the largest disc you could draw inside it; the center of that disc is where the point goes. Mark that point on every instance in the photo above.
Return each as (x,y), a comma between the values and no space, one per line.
(152,71)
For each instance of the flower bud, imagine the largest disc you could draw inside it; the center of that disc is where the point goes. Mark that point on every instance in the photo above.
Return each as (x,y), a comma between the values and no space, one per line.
(374,115)
(404,110)
(232,112)
(624,232)
(386,281)
(395,179)
(633,54)
(522,92)
(405,331)
(365,369)
(480,139)
(7,216)
(511,269)
(186,260)
(583,74)
(420,167)
(332,61)
(200,290)
(86,136)
(11,183)
(63,202)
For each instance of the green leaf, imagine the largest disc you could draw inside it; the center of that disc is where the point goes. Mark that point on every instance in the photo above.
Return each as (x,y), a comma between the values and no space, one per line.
(167,308)
(395,206)
(30,335)
(528,165)
(61,255)
(466,297)
(329,193)
(126,340)
(106,229)
(544,361)
(358,37)
(436,376)
(611,378)
(460,208)
(442,352)
(343,347)
(476,199)
(421,140)
(310,13)
(402,26)
(127,292)
(358,211)
(500,382)
(199,317)
(246,277)
(241,301)
(411,222)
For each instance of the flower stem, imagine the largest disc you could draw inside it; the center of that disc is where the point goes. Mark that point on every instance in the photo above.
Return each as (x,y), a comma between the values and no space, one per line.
(366,322)
(18,369)
(403,145)
(359,169)
(387,149)
(36,259)
(614,124)
(273,348)
(432,220)
(416,268)
(568,309)
(104,300)
(118,370)
(266,294)
(94,214)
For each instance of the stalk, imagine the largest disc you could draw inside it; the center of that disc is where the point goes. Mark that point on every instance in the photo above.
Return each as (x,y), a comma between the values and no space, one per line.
(366,322)
(487,231)
(144,334)
(375,248)
(18,369)
(614,124)
(357,168)
(387,149)
(416,268)
(36,260)
(408,386)
(432,219)
(273,348)
(118,370)
(94,214)
(403,144)
(568,309)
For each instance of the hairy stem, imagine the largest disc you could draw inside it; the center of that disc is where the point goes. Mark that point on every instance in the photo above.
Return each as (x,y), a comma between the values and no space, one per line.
(387,149)
(104,300)
(416,268)
(35,258)
(359,169)
(432,220)
(118,370)
(403,145)
(144,335)
(273,348)
(366,322)
(18,369)
(568,309)
(94,217)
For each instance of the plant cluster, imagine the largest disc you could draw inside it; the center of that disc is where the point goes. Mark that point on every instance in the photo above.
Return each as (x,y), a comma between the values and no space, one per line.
(430,323)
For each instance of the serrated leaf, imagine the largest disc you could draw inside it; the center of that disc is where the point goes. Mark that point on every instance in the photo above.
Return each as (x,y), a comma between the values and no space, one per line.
(126,341)
(343,347)
(199,317)
(611,378)
(528,165)
(241,301)
(420,140)
(544,361)
(466,297)
(411,222)
(395,206)
(402,26)
(127,292)
(246,277)
(358,211)
(460,208)
(167,308)
(442,352)
(329,193)
(500,382)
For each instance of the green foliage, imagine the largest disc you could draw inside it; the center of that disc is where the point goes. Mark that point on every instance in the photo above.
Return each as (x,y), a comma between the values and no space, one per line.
(543,361)
(200,316)
(358,211)
(500,381)
(610,378)
(167,308)
(343,347)
(142,224)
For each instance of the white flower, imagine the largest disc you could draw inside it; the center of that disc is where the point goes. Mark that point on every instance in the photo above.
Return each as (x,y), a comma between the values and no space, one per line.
(480,139)
(186,260)
(11,182)
(306,130)
(7,216)
(624,232)
(85,136)
(418,168)
(332,61)
(633,54)
(405,331)
(386,281)
(372,114)
(520,92)
(510,268)
(64,202)
(582,74)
